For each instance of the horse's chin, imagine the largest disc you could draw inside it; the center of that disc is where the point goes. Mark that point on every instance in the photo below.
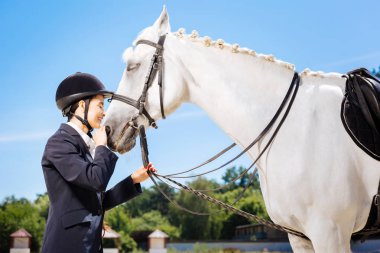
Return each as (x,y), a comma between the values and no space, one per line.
(127,146)
(125,143)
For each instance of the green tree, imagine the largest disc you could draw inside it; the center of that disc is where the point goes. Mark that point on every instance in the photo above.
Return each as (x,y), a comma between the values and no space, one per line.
(192,226)
(251,202)
(151,199)
(229,175)
(233,172)
(42,205)
(153,220)
(20,213)
(119,221)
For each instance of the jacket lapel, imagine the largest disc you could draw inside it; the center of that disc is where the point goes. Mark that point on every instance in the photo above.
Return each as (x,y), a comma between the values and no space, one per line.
(83,145)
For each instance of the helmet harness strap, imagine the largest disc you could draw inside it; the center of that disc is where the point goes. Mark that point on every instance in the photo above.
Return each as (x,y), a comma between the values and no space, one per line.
(85,121)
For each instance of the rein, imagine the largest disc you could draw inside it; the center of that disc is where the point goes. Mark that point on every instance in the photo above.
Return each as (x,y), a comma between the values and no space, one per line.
(157,66)
(145,153)
(153,176)
(295,82)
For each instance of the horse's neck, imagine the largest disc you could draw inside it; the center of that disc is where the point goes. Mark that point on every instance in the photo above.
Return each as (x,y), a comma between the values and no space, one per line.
(239,92)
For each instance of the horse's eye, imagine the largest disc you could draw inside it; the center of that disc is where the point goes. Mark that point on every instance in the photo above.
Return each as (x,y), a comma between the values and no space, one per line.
(131,67)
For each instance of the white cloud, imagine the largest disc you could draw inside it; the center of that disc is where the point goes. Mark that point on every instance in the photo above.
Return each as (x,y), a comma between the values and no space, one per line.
(374,55)
(32,136)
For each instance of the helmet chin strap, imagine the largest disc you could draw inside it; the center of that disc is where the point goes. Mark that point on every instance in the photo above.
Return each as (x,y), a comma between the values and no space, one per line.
(84,120)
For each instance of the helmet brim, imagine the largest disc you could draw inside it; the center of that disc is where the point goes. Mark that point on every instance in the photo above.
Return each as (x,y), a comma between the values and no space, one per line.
(67,101)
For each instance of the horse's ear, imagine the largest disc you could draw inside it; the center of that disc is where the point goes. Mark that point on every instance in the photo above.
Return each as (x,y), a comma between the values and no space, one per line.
(162,23)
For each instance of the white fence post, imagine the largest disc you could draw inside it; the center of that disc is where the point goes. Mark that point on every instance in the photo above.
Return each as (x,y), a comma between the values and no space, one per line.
(157,242)
(21,241)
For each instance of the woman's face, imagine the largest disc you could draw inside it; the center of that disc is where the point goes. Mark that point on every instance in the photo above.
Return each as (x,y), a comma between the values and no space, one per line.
(96,111)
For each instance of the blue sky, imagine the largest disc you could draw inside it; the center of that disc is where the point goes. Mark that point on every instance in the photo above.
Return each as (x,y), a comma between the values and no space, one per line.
(42,42)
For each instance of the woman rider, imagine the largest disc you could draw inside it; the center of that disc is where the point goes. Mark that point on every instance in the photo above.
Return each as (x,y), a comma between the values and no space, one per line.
(77,168)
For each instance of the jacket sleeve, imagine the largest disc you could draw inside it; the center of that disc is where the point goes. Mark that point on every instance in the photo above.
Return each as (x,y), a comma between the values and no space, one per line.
(120,193)
(64,154)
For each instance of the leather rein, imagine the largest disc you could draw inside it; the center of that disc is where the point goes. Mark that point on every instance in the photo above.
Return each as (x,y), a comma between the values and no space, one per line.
(156,66)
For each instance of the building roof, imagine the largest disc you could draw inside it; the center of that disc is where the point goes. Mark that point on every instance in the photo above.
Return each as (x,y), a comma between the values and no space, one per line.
(109,233)
(158,234)
(21,233)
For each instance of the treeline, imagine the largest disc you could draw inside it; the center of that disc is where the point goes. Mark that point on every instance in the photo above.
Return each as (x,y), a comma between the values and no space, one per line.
(21,213)
(150,211)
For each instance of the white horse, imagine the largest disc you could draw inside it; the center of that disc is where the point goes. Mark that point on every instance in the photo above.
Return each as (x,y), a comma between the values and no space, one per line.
(314,179)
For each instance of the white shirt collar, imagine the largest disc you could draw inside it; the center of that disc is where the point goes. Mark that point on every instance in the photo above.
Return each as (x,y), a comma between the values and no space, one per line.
(89,142)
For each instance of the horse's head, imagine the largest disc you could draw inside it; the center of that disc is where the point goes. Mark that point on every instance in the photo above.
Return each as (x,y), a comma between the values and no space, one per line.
(138,60)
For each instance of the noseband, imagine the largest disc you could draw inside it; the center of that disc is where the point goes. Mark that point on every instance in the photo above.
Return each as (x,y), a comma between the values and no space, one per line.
(156,65)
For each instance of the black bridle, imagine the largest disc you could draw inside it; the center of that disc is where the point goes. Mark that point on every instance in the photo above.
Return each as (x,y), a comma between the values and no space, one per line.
(156,66)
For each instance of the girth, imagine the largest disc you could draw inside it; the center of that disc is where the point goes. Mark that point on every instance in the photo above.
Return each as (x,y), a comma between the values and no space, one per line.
(372,226)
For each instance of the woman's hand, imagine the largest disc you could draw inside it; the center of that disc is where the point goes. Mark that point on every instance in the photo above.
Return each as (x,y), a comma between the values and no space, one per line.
(100,137)
(141,174)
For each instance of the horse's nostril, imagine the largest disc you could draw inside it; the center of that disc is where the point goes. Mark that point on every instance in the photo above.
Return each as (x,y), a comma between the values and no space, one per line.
(108,130)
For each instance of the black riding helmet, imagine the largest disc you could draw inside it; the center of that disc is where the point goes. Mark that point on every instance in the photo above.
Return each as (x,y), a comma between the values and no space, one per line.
(76,87)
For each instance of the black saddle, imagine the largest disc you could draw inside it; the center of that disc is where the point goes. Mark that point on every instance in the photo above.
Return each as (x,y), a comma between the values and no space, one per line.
(360,110)
(360,114)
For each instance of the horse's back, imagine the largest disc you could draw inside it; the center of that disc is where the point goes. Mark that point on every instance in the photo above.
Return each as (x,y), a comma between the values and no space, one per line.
(314,168)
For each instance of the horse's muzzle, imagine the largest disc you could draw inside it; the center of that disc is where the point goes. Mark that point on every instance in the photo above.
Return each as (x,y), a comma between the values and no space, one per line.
(124,141)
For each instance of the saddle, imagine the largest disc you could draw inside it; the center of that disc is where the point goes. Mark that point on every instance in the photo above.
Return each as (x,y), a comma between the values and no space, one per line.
(360,114)
(360,110)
